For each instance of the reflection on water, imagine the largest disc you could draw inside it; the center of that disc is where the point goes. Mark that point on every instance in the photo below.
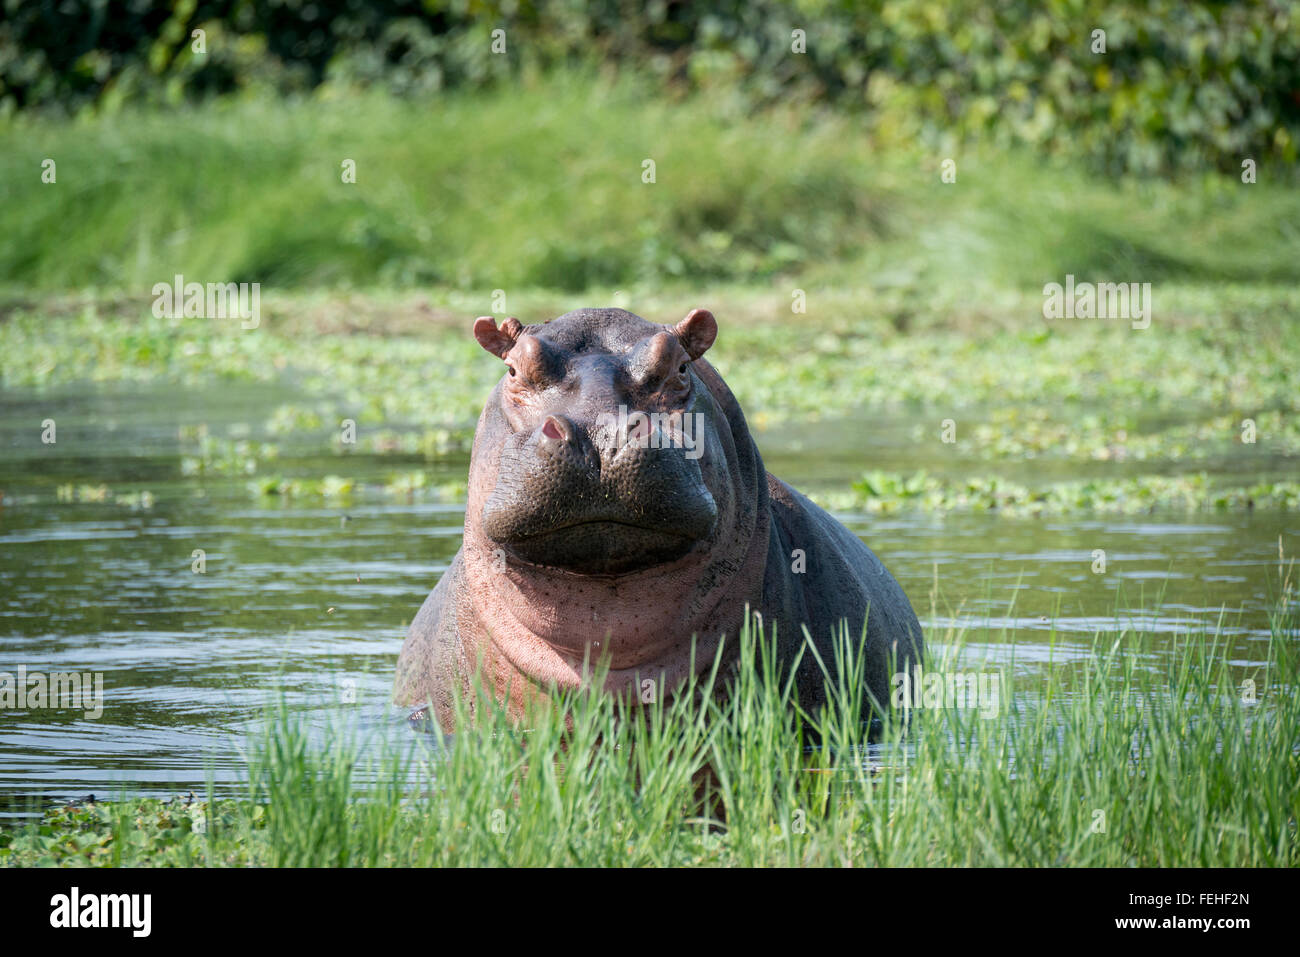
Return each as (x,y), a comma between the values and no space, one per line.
(310,599)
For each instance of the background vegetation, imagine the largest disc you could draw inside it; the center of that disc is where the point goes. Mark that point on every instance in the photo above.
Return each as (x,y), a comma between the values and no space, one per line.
(1180,86)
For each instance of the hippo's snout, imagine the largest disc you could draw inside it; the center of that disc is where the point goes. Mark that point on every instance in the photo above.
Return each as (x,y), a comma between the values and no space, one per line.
(580,497)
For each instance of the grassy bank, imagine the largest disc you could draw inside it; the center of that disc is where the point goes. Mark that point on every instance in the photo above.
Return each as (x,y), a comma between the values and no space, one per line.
(1116,759)
(543,185)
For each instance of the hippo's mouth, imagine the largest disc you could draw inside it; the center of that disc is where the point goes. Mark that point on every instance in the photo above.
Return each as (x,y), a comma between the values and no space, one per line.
(602,547)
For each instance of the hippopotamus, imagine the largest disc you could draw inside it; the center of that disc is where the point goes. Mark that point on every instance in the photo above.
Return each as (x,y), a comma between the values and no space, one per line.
(618,509)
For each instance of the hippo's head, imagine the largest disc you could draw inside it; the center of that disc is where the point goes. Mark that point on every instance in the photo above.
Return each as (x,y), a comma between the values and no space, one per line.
(617,505)
(601,451)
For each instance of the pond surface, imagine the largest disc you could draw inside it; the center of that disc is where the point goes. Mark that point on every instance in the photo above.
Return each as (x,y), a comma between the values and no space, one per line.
(311,597)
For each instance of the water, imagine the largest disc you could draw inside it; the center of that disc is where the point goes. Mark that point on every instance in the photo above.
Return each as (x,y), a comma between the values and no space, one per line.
(311,598)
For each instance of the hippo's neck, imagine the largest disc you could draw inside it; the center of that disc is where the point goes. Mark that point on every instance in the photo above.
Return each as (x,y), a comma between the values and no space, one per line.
(545,622)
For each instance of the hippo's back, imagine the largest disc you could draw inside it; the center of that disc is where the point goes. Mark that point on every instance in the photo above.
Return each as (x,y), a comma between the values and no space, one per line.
(841,581)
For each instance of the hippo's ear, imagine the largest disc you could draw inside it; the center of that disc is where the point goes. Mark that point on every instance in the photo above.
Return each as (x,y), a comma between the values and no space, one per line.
(696,332)
(494,340)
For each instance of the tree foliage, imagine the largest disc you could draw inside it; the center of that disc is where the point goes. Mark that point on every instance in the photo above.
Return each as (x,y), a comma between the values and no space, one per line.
(1179,86)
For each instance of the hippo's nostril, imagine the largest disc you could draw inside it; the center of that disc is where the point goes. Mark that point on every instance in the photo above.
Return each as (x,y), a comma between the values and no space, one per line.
(556,429)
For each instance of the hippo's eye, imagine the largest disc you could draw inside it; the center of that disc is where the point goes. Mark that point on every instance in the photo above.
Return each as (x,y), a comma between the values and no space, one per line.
(512,369)
(682,370)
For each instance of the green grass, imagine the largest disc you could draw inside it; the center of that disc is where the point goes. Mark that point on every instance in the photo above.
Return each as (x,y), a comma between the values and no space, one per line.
(540,186)
(1121,757)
